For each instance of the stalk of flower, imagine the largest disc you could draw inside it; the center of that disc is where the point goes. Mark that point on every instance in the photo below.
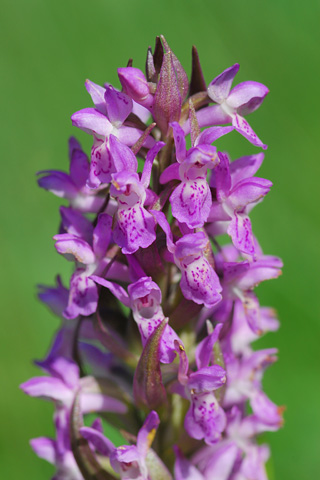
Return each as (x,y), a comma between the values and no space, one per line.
(158,322)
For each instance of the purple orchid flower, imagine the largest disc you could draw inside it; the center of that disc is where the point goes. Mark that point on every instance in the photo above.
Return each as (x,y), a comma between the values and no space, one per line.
(91,258)
(73,186)
(111,110)
(205,418)
(129,461)
(105,122)
(244,383)
(63,384)
(243,99)
(134,226)
(191,200)
(56,298)
(237,192)
(83,295)
(236,455)
(144,299)
(199,282)
(241,334)
(239,279)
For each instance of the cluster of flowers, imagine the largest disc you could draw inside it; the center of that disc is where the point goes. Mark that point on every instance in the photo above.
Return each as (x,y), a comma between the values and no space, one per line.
(159,317)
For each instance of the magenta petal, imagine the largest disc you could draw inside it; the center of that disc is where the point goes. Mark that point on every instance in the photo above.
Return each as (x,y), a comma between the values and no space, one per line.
(258,272)
(134,83)
(102,235)
(65,369)
(47,387)
(240,231)
(243,127)
(102,444)
(252,312)
(220,178)
(79,167)
(199,282)
(191,202)
(269,320)
(221,463)
(248,191)
(129,457)
(213,115)
(56,298)
(266,410)
(212,134)
(246,97)
(205,419)
(207,379)
(83,295)
(71,245)
(95,402)
(97,94)
(73,145)
(220,86)
(193,428)
(102,165)
(245,167)
(118,105)
(129,136)
(179,141)
(97,425)
(45,448)
(147,168)
(253,465)
(76,224)
(204,350)
(167,345)
(141,112)
(115,289)
(122,156)
(145,295)
(59,183)
(162,221)
(92,121)
(217,213)
(170,173)
(135,228)
(146,433)
(233,271)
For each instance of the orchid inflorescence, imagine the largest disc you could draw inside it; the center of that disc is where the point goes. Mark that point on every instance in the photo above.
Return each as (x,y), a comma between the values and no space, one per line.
(160,313)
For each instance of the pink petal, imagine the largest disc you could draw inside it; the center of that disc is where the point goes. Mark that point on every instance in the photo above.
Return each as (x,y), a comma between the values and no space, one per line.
(220,86)
(118,105)
(92,121)
(97,94)
(71,245)
(243,127)
(246,97)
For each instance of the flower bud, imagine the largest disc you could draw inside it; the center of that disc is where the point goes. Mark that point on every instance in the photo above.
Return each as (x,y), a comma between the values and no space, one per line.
(135,85)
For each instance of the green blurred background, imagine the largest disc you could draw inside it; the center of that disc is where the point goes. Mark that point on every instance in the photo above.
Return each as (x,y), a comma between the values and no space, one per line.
(48,49)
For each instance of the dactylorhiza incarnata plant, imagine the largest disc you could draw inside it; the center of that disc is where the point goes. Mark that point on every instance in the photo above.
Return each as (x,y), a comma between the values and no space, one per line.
(160,314)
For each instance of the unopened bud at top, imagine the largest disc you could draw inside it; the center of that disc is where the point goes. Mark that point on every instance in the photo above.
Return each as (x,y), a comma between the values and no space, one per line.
(135,84)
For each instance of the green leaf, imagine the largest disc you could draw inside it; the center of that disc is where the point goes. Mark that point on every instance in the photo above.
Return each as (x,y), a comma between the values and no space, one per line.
(148,388)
